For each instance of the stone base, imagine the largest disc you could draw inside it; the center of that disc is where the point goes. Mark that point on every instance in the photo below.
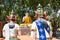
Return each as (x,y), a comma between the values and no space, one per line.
(25,30)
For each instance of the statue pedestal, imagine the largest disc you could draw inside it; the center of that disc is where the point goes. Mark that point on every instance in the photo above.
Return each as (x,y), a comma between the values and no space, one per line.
(25,30)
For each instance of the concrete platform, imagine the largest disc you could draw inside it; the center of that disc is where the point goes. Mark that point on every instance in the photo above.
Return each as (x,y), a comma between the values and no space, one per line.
(26,37)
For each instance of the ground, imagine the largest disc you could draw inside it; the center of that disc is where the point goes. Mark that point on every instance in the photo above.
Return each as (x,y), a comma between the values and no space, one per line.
(27,37)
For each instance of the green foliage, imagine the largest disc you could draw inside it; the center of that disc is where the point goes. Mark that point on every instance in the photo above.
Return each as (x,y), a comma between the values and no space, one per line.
(21,6)
(55,21)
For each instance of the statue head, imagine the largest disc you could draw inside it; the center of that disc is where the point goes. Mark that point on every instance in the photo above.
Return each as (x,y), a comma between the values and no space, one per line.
(11,24)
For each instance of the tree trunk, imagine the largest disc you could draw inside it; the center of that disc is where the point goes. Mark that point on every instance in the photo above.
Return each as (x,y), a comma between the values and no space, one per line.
(50,6)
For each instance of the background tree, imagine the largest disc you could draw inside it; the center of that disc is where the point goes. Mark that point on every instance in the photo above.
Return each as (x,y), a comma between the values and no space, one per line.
(21,6)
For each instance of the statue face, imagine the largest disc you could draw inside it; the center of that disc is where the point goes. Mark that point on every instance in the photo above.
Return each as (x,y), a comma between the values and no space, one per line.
(11,24)
(39,10)
(26,14)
